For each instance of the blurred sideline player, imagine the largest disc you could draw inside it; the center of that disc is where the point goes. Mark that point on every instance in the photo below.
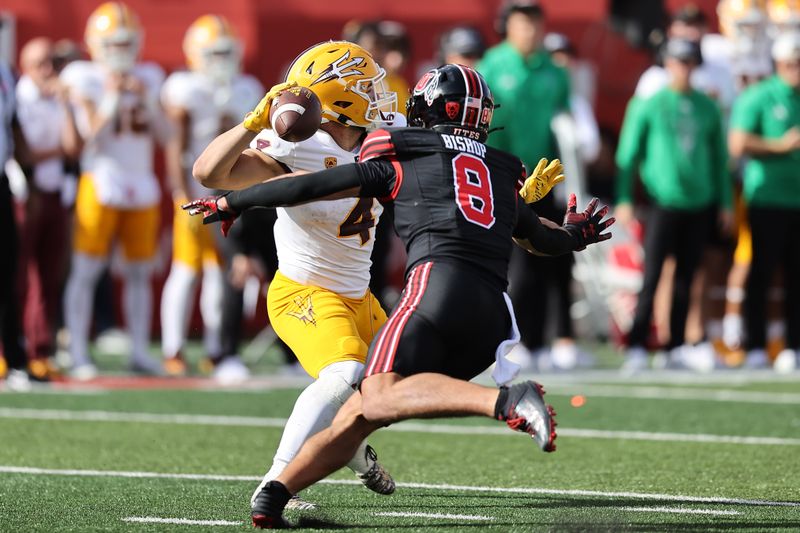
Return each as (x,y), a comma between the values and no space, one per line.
(742,45)
(118,195)
(749,26)
(388,43)
(784,17)
(202,103)
(319,302)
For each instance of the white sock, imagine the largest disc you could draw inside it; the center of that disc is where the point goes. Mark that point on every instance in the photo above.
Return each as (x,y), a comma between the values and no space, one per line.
(211,308)
(78,298)
(313,411)
(138,305)
(176,302)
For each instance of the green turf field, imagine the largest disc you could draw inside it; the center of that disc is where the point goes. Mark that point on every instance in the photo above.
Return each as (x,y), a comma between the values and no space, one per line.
(662,452)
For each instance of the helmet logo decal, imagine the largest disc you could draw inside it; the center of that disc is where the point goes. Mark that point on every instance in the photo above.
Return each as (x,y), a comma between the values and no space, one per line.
(341,68)
(427,86)
(452,109)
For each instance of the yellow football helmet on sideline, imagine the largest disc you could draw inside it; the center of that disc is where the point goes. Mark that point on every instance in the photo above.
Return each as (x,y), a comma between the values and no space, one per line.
(348,82)
(744,23)
(114,36)
(784,16)
(741,16)
(212,47)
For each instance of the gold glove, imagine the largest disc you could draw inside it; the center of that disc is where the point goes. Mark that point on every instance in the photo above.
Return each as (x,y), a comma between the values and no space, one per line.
(258,119)
(543,178)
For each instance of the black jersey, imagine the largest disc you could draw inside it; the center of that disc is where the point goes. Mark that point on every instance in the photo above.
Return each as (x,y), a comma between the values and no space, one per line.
(453,197)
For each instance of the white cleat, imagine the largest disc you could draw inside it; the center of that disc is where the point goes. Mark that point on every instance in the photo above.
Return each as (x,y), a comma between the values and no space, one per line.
(231,371)
(636,361)
(18,381)
(732,331)
(296,503)
(786,362)
(564,356)
(85,372)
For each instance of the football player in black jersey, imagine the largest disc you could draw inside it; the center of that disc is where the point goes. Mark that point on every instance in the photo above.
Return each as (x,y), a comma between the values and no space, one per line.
(458,210)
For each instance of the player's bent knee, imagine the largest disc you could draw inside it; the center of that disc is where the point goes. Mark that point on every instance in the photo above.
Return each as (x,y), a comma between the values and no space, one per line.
(376,410)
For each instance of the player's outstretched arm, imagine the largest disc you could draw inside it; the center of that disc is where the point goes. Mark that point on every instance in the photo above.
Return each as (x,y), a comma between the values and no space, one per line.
(228,162)
(543,237)
(284,190)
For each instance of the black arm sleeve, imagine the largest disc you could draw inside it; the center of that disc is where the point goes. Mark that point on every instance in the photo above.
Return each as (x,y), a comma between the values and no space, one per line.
(368,176)
(295,190)
(378,177)
(549,241)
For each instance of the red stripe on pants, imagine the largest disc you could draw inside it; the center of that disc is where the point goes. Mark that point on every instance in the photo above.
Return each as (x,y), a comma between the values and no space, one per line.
(386,346)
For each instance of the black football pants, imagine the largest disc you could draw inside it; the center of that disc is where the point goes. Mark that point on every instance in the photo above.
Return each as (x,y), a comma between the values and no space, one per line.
(9,299)
(683,234)
(775,243)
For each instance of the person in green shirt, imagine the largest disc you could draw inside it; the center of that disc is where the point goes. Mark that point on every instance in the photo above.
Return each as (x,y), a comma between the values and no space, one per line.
(675,140)
(765,128)
(530,90)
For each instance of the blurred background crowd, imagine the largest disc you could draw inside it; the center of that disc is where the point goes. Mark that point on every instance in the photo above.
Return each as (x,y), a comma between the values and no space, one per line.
(684,116)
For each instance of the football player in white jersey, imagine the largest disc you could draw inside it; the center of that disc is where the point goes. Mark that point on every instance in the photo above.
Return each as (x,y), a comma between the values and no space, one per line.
(120,119)
(319,302)
(203,102)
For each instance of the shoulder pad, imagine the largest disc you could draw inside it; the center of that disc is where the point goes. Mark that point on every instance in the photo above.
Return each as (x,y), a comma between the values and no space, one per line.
(377,144)
(392,142)
(85,79)
(151,74)
(178,89)
(269,143)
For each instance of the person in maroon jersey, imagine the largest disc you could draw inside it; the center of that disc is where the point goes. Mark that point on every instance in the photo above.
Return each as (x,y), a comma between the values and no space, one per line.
(457,210)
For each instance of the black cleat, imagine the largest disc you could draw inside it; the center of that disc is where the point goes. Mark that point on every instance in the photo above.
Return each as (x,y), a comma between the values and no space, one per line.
(525,411)
(268,507)
(261,521)
(377,479)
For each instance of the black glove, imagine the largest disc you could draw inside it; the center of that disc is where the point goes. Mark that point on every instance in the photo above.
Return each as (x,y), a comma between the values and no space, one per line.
(586,228)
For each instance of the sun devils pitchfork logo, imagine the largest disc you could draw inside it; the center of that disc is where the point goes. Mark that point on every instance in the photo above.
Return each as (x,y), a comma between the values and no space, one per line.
(341,68)
(304,310)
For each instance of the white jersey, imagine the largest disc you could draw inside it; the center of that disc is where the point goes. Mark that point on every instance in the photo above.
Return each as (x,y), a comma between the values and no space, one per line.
(119,159)
(709,78)
(320,243)
(42,120)
(745,60)
(212,109)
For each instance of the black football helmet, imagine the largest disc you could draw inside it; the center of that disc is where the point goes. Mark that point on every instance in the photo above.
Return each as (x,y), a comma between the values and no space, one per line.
(452,98)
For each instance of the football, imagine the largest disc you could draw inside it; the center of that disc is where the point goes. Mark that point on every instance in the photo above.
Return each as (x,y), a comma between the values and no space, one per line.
(296,114)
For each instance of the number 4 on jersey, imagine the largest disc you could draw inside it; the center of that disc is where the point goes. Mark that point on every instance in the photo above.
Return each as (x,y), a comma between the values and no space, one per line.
(358,221)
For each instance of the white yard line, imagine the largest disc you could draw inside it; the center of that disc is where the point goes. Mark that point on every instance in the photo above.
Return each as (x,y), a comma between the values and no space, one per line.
(406,427)
(674,393)
(679,510)
(437,515)
(179,521)
(8,469)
